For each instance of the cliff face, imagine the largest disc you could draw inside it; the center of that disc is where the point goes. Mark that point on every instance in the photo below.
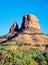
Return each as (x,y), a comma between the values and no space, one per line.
(29,32)
(30,21)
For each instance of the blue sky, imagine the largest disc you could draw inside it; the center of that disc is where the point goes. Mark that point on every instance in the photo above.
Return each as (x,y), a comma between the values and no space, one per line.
(11,10)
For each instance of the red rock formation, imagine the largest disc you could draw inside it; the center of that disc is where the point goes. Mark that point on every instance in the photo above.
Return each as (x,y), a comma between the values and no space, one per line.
(14,28)
(30,32)
(30,21)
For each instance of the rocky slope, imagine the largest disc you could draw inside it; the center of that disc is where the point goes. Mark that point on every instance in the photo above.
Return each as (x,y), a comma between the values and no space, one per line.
(29,32)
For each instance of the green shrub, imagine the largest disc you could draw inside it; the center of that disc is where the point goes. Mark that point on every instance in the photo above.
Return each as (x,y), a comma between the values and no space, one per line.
(23,57)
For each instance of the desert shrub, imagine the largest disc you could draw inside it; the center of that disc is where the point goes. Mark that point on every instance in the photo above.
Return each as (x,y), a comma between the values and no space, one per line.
(23,44)
(23,57)
(46,56)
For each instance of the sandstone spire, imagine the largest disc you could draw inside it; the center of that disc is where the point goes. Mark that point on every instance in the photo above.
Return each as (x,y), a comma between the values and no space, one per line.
(14,28)
(30,21)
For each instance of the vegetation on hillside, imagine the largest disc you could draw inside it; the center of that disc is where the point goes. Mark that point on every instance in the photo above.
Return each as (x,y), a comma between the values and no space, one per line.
(22,57)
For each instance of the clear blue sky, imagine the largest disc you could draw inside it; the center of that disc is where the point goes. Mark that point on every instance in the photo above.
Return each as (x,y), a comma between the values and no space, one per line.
(11,10)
